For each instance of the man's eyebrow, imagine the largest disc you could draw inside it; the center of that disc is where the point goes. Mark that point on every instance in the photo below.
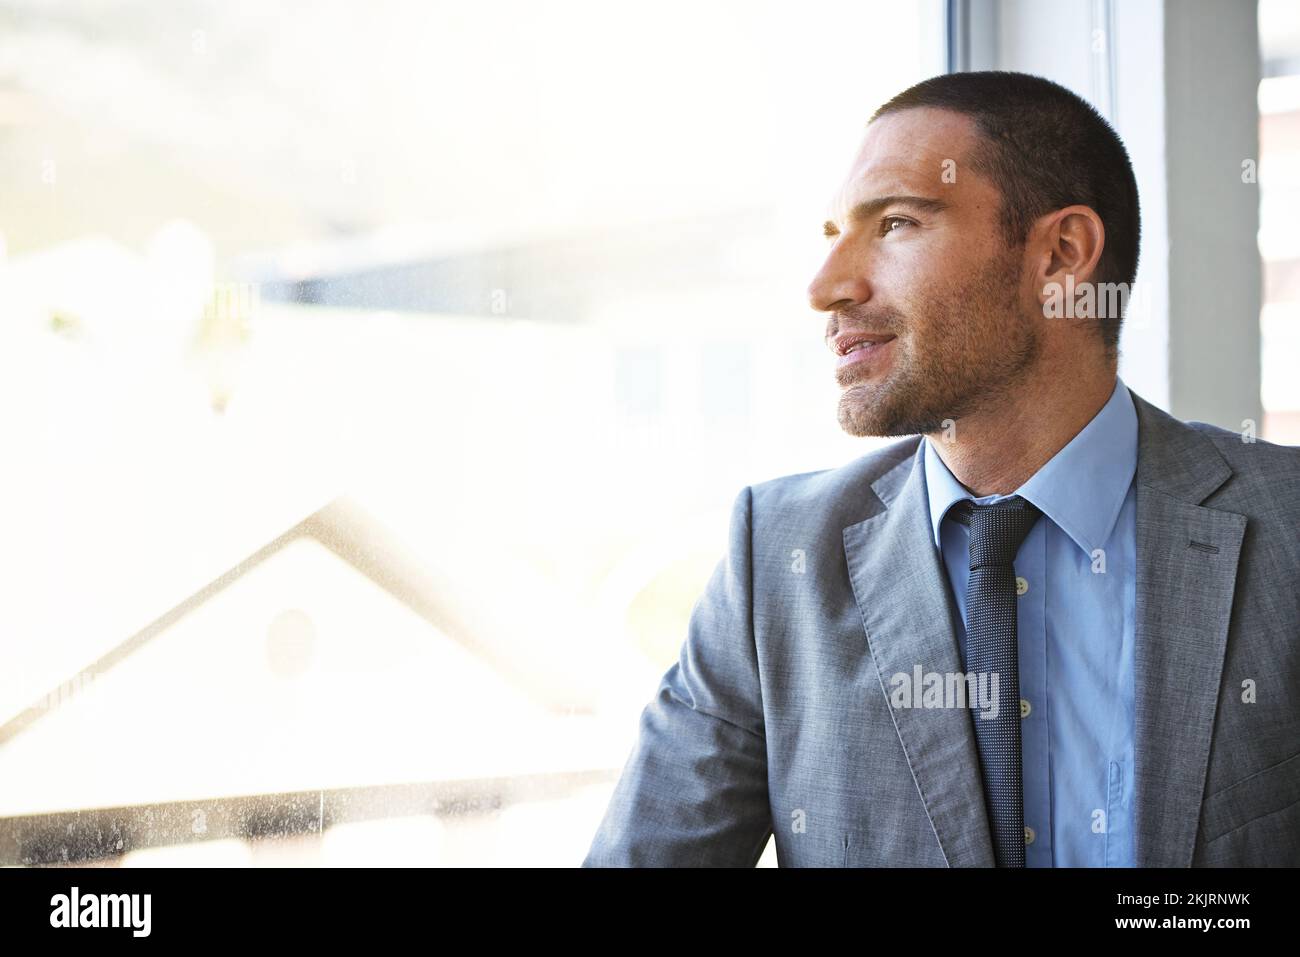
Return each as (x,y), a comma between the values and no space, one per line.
(867,209)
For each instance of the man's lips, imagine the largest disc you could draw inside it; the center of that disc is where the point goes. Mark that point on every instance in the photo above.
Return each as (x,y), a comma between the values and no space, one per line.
(857,347)
(842,344)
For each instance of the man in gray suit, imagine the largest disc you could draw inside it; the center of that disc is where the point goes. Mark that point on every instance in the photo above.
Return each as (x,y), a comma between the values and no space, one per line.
(1146,636)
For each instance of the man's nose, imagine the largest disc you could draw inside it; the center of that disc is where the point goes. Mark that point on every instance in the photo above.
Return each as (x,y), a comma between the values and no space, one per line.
(839,284)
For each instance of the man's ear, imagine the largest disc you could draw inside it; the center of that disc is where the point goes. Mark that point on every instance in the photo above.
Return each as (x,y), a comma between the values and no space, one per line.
(1065,248)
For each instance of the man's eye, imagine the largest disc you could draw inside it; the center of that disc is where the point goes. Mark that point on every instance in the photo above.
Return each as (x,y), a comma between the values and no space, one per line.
(884,224)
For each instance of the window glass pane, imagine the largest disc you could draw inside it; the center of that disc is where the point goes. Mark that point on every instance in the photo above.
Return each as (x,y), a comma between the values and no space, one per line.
(1279,205)
(378,379)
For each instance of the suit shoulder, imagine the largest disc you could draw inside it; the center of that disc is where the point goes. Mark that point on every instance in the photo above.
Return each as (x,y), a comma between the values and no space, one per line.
(823,488)
(1255,459)
(1232,439)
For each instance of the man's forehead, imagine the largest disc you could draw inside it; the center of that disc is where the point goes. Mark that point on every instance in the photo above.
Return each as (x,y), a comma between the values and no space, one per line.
(914,152)
(914,131)
(878,182)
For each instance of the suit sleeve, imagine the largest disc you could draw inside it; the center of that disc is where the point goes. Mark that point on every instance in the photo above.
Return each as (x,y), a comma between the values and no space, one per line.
(693,793)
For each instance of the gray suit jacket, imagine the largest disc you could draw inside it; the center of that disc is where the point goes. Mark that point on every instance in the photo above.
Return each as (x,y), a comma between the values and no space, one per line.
(775,719)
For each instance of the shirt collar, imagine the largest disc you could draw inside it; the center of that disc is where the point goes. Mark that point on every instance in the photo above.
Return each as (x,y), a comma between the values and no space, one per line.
(1081,488)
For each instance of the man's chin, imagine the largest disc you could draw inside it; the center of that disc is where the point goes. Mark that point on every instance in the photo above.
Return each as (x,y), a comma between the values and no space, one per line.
(863,414)
(863,421)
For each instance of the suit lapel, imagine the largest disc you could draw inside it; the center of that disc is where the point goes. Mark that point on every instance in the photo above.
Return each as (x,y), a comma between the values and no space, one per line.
(902,594)
(1186,570)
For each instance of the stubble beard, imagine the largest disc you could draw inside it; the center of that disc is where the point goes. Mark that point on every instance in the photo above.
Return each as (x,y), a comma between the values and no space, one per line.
(983,347)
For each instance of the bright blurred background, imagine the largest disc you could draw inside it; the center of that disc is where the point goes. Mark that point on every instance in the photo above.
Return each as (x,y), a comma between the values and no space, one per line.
(377,382)
(1279,210)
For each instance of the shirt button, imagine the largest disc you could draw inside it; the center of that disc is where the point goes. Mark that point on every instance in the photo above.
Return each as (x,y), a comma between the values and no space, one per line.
(1024,708)
(1029,835)
(1022,585)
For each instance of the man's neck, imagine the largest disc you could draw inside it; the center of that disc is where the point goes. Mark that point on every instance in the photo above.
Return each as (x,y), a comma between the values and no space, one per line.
(995,451)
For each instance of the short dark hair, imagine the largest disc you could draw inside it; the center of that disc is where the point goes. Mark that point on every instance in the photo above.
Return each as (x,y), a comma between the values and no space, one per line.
(1045,148)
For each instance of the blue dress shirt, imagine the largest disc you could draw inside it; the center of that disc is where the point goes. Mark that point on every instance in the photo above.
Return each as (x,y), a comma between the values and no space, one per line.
(1075,626)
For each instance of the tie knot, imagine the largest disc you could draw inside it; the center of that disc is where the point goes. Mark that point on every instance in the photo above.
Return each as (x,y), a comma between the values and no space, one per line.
(996,530)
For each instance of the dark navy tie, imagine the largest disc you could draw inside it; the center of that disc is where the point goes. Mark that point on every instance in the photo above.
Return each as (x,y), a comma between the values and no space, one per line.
(996,532)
